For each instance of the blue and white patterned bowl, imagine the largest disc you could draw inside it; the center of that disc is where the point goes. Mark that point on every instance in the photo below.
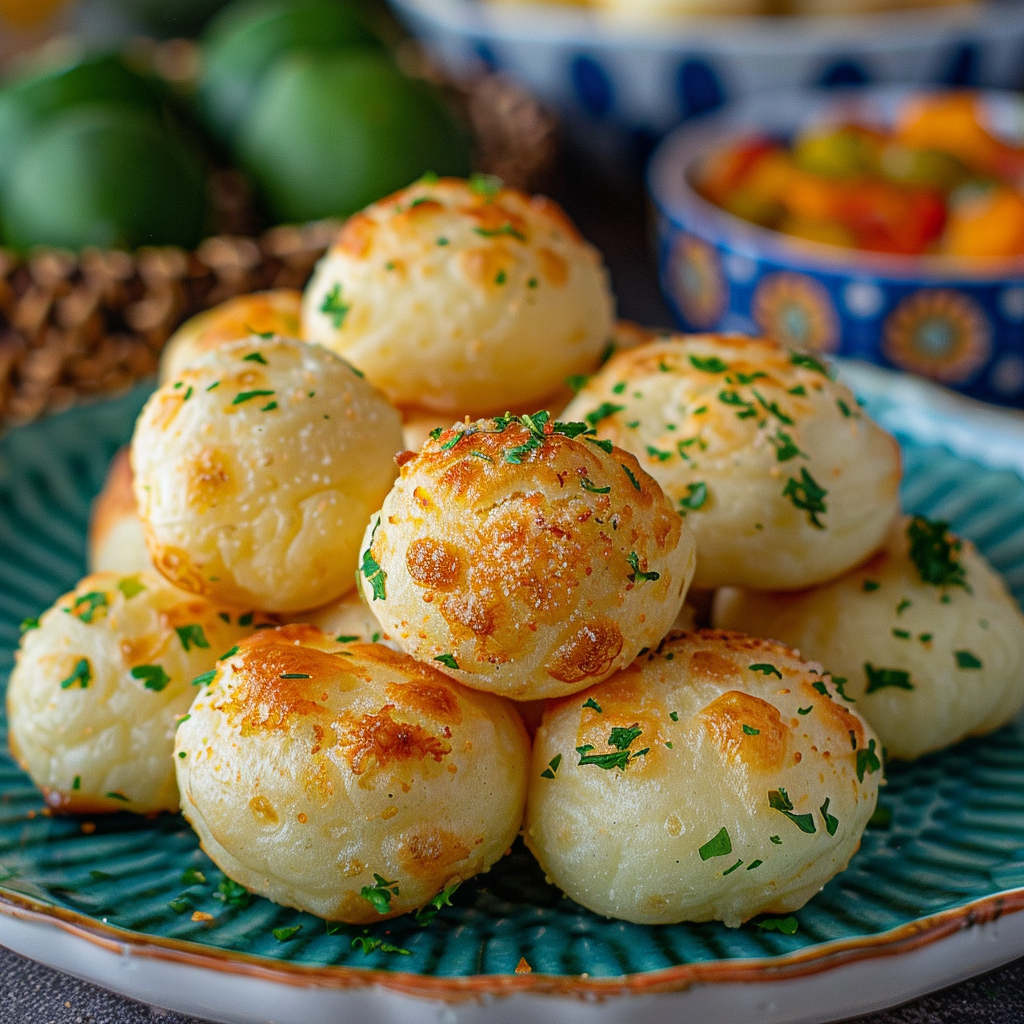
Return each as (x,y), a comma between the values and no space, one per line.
(955,321)
(615,83)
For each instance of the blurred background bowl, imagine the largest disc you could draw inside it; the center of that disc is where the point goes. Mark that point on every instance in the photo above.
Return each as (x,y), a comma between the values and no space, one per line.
(957,321)
(620,84)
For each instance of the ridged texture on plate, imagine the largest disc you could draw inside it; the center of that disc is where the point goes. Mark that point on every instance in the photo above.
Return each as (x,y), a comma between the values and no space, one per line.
(957,831)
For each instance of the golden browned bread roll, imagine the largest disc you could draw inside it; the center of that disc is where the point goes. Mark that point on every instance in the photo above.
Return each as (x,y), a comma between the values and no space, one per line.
(99,685)
(257,469)
(716,778)
(117,541)
(524,561)
(926,634)
(462,297)
(348,780)
(783,479)
(273,312)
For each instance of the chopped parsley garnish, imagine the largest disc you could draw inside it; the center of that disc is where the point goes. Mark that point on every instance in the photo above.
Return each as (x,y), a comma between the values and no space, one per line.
(191,636)
(880,678)
(965,659)
(619,388)
(591,703)
(205,678)
(632,479)
(501,277)
(577,382)
(696,496)
(86,606)
(936,553)
(285,934)
(808,495)
(786,925)
(457,436)
(734,398)
(180,904)
(486,185)
(231,894)
(729,871)
(505,229)
(295,675)
(371,570)
(867,761)
(778,800)
(638,575)
(785,447)
(254,357)
(269,407)
(246,619)
(552,768)
(115,795)
(773,408)
(379,894)
(82,675)
(621,739)
(749,730)
(901,634)
(368,945)
(193,876)
(130,586)
(247,396)
(447,660)
(839,682)
(229,654)
(844,408)
(429,911)
(346,638)
(334,307)
(754,864)
(719,845)
(903,606)
(154,677)
(805,711)
(657,453)
(831,821)
(481,455)
(588,485)
(749,378)
(870,585)
(765,669)
(32,622)
(775,840)
(821,688)
(799,391)
(710,364)
(77,784)
(214,386)
(602,412)
(603,443)
(808,362)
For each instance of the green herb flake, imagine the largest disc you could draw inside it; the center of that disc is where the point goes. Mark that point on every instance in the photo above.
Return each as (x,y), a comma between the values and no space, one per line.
(621,738)
(588,485)
(287,934)
(602,412)
(869,586)
(901,634)
(800,391)
(205,678)
(778,800)
(269,407)
(295,675)
(180,904)
(372,571)
(772,408)
(448,661)
(248,396)
(603,443)
(120,797)
(807,495)
(193,876)
(532,283)
(696,496)
(674,715)
(552,768)
(32,622)
(754,864)
(844,408)
(785,925)
(966,659)
(333,307)
(379,895)
(246,619)
(831,821)
(936,553)
(750,730)
(486,185)
(880,678)
(925,638)
(501,277)
(368,945)
(632,479)
(231,894)
(867,761)
(729,871)
(577,382)
(214,386)
(808,363)
(776,840)
(710,364)
(638,575)
(785,447)
(254,357)
(805,711)
(191,636)
(154,677)
(505,229)
(591,703)
(429,911)
(765,669)
(86,606)
(82,675)
(658,454)
(130,586)
(77,784)
(719,845)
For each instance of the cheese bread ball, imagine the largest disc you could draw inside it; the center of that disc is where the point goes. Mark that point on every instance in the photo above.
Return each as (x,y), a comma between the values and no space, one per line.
(273,312)
(784,481)
(348,780)
(717,778)
(526,563)
(462,297)
(929,639)
(257,469)
(117,541)
(100,683)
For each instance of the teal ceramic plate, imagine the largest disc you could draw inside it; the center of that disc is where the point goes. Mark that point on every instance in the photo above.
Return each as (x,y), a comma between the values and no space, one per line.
(135,904)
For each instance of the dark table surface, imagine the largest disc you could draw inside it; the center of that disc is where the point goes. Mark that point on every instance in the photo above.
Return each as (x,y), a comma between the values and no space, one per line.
(614,219)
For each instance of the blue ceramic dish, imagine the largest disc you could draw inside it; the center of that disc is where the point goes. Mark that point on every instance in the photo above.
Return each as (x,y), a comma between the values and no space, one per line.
(958,322)
(618,85)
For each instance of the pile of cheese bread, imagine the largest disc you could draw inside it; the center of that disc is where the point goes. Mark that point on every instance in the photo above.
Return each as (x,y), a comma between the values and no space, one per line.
(373,593)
